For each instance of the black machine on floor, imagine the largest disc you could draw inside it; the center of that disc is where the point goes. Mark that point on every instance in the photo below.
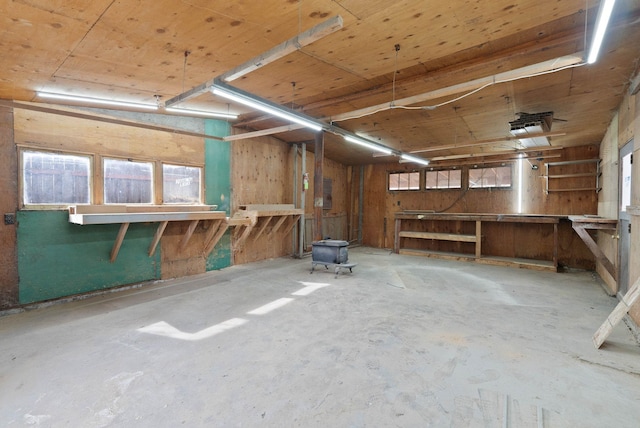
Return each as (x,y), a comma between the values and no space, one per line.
(331,252)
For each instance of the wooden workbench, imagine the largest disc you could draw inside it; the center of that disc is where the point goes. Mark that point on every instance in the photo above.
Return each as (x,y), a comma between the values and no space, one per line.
(472,226)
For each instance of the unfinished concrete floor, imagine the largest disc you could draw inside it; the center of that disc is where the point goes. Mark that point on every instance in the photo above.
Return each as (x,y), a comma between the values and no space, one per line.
(403,341)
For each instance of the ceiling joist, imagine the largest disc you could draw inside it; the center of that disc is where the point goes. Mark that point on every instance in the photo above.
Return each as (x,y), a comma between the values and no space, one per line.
(283,49)
(549,66)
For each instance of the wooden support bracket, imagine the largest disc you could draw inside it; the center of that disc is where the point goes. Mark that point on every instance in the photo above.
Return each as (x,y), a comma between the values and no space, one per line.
(292,222)
(262,228)
(626,302)
(582,224)
(156,238)
(188,234)
(279,223)
(219,229)
(118,243)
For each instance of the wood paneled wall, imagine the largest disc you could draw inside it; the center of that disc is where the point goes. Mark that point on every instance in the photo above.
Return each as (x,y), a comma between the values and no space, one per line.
(8,205)
(261,173)
(55,132)
(380,206)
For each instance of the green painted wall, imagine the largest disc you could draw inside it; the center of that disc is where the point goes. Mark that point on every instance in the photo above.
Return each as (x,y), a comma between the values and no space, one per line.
(217,172)
(57,258)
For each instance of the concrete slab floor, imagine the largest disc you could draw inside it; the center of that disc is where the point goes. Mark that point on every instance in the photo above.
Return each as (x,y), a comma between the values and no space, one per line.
(402,341)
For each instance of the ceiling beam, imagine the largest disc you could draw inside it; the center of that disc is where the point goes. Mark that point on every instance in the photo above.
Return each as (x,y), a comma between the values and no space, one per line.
(63,112)
(283,49)
(472,85)
(486,142)
(263,132)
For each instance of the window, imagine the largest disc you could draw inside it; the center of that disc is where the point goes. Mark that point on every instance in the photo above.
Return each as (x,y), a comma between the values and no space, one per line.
(404,181)
(181,184)
(444,179)
(55,179)
(127,182)
(490,177)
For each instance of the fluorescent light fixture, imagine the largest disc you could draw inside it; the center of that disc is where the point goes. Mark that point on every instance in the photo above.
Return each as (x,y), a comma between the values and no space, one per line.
(520,183)
(188,111)
(414,159)
(100,101)
(252,101)
(368,145)
(602,21)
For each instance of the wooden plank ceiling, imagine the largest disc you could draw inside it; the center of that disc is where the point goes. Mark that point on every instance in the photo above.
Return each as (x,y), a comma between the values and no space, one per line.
(137,50)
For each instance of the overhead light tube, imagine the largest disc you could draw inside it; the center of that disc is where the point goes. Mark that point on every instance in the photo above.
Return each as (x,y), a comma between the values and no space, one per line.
(368,145)
(520,183)
(238,96)
(201,113)
(99,101)
(414,159)
(602,21)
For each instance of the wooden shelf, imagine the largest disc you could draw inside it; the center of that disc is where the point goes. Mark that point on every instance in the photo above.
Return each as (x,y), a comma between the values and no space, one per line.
(476,239)
(163,214)
(581,224)
(262,220)
(574,176)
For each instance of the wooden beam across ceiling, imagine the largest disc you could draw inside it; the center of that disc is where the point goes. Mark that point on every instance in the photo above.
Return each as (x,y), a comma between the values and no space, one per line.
(283,49)
(469,87)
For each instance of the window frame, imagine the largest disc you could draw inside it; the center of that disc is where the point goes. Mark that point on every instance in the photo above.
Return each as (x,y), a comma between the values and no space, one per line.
(160,183)
(153,180)
(434,170)
(52,206)
(97,179)
(408,173)
(509,187)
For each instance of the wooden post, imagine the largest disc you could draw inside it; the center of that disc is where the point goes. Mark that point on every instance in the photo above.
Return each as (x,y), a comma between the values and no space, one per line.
(318,188)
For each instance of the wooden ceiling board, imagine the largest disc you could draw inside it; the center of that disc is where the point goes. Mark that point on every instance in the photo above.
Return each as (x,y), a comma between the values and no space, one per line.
(135,50)
(34,42)
(80,10)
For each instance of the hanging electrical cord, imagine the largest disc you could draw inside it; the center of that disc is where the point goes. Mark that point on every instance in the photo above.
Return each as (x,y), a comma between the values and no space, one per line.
(458,199)
(395,72)
(184,68)
(495,82)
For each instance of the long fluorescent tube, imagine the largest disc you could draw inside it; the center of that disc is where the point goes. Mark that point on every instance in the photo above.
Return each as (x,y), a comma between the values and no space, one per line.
(520,183)
(100,101)
(201,113)
(604,13)
(368,145)
(263,105)
(414,159)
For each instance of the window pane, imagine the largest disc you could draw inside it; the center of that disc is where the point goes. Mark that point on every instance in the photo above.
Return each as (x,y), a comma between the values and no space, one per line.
(404,181)
(503,176)
(490,177)
(414,181)
(455,179)
(432,179)
(127,182)
(394,181)
(444,179)
(475,178)
(50,178)
(181,184)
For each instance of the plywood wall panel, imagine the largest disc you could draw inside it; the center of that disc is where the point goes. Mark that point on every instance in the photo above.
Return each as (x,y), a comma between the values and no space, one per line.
(55,132)
(178,261)
(502,240)
(262,173)
(8,205)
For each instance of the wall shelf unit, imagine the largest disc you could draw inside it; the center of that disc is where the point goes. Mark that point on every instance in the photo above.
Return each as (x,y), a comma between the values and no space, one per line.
(162,214)
(572,176)
(467,229)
